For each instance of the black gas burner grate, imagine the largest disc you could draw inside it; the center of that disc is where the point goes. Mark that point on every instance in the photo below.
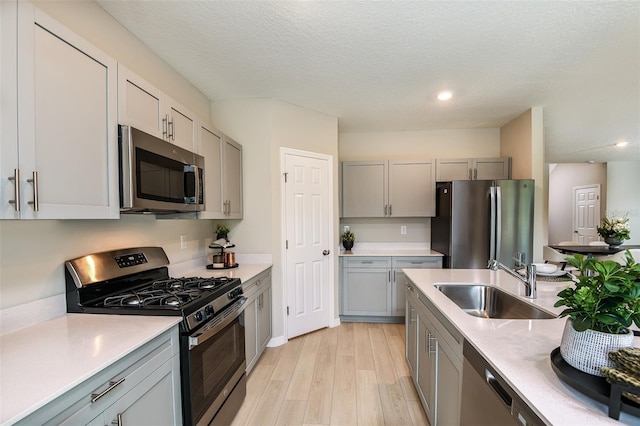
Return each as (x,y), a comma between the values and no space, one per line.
(190,283)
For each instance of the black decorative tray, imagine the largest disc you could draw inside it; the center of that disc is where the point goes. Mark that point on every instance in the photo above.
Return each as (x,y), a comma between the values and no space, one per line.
(210,266)
(595,387)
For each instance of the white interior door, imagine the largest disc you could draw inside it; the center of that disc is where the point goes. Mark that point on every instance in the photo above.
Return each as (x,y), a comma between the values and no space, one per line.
(307,226)
(586,217)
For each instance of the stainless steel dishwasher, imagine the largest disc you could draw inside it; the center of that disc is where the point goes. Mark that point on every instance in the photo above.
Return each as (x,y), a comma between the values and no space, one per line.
(486,399)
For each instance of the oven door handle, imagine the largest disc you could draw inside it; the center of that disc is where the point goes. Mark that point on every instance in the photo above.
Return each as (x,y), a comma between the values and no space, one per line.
(219,322)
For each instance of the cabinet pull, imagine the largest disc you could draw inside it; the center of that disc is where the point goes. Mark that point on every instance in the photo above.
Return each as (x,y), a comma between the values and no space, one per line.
(390,209)
(470,175)
(475,174)
(34,181)
(118,420)
(165,127)
(417,263)
(16,189)
(412,316)
(430,348)
(171,129)
(367,261)
(96,396)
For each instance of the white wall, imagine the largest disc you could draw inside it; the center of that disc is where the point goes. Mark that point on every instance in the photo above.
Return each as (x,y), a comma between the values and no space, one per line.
(32,252)
(264,126)
(623,194)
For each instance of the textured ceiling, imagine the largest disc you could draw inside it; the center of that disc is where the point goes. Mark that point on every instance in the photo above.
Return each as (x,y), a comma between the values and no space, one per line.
(377,66)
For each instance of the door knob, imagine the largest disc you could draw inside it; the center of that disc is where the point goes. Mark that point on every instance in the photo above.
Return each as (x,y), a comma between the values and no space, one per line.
(326,252)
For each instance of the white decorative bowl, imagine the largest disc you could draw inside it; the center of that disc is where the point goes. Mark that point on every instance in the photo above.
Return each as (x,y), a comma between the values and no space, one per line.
(546,268)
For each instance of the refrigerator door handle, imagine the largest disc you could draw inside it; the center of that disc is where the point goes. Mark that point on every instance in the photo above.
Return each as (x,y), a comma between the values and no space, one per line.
(498,224)
(492,238)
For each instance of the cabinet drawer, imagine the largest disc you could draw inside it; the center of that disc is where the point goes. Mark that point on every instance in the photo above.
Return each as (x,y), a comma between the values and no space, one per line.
(368,262)
(423,262)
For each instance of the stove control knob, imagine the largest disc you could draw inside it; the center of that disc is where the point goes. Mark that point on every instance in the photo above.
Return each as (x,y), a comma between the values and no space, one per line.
(199,316)
(209,311)
(233,294)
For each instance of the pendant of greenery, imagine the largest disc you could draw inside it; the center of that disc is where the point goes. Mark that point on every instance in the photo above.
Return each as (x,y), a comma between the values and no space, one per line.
(607,296)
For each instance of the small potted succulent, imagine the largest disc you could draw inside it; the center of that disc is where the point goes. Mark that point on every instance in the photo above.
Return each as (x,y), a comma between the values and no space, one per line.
(601,307)
(222,231)
(348,239)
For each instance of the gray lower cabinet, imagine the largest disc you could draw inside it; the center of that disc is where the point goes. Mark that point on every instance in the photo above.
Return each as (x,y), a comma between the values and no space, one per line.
(141,388)
(372,286)
(257,316)
(434,355)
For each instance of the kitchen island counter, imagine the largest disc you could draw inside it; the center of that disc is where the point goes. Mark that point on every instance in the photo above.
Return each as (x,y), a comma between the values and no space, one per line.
(519,349)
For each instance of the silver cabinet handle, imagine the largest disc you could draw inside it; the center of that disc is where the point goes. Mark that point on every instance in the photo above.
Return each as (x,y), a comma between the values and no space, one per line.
(470,175)
(34,181)
(367,262)
(385,209)
(326,252)
(118,420)
(16,191)
(96,396)
(412,316)
(475,174)
(390,209)
(171,129)
(165,127)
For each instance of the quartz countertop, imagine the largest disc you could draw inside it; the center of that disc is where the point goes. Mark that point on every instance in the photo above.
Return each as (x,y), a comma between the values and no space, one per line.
(365,251)
(519,349)
(41,362)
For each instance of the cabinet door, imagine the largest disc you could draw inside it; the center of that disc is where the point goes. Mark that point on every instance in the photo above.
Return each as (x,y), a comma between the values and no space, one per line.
(211,149)
(366,291)
(412,189)
(139,104)
(67,122)
(411,328)
(364,188)
(427,362)
(149,403)
(448,169)
(232,194)
(491,168)
(449,372)
(251,333)
(264,318)
(398,293)
(181,126)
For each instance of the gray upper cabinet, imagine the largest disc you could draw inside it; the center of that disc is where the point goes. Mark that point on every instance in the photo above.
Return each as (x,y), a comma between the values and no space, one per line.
(143,106)
(61,104)
(388,188)
(232,179)
(210,147)
(448,169)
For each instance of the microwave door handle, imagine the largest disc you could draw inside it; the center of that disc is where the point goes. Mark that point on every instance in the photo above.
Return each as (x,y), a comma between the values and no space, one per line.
(196,186)
(190,194)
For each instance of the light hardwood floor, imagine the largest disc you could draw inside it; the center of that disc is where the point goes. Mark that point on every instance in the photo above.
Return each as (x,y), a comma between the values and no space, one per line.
(353,374)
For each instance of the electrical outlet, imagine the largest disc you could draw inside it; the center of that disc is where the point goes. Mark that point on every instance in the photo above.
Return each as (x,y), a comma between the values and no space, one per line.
(183,241)
(403,230)
(346,228)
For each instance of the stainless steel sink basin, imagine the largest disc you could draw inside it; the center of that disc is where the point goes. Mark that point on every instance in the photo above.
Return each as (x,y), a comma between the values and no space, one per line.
(486,301)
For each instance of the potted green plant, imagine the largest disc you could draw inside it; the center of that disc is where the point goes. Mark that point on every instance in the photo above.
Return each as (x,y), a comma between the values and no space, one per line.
(348,239)
(614,230)
(222,231)
(601,306)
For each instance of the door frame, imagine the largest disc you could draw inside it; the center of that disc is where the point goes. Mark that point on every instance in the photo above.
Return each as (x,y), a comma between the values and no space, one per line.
(331,238)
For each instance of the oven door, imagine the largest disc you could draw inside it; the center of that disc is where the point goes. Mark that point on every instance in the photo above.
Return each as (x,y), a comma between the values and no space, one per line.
(213,366)
(157,175)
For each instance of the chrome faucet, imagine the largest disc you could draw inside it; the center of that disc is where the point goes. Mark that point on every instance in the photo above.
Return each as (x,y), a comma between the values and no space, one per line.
(529,278)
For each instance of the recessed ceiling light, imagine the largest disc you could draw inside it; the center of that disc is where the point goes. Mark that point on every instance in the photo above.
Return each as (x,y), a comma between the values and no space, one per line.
(445,96)
(621,144)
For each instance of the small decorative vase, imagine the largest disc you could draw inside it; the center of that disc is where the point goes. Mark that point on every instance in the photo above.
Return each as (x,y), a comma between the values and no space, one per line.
(613,242)
(589,350)
(348,245)
(222,235)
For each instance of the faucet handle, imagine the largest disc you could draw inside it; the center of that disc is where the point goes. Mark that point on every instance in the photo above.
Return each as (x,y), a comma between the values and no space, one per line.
(519,258)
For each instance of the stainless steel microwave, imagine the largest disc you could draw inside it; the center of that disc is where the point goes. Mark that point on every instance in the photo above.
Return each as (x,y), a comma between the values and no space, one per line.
(157,176)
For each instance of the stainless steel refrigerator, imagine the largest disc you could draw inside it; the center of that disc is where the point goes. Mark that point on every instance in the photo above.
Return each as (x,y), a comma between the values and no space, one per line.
(479,220)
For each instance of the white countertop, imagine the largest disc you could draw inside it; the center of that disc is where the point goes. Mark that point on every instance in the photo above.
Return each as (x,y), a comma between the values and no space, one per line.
(519,349)
(365,251)
(42,362)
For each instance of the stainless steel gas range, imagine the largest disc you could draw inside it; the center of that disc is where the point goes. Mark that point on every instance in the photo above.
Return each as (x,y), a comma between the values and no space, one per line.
(136,281)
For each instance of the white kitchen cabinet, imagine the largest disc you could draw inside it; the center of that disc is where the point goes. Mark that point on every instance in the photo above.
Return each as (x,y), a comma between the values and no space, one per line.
(436,354)
(374,286)
(257,316)
(145,107)
(141,388)
(388,188)
(232,179)
(472,169)
(59,121)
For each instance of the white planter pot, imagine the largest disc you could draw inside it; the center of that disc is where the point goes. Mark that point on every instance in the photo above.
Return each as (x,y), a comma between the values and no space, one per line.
(589,350)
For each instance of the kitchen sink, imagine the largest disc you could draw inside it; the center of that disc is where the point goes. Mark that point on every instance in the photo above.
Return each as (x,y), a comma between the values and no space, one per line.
(485,301)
